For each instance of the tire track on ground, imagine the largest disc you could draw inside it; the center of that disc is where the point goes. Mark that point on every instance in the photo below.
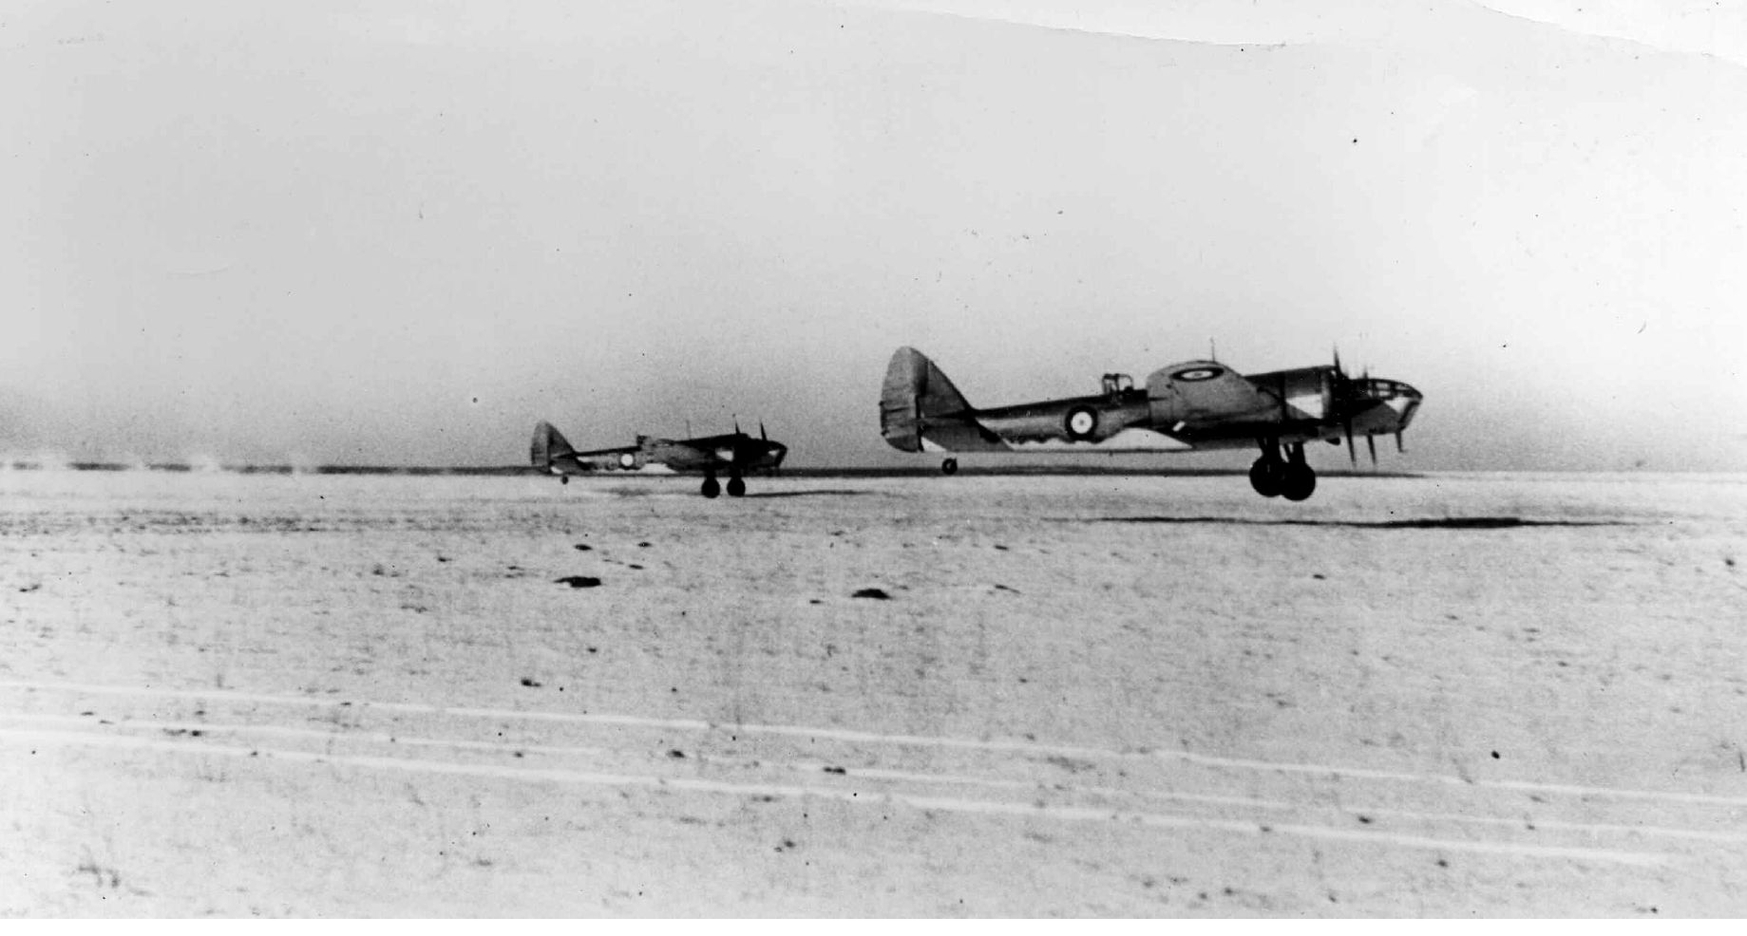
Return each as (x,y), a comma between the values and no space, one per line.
(852,736)
(955,804)
(1116,799)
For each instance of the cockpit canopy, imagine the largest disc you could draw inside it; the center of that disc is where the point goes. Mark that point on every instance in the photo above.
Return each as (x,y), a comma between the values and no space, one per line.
(1117,384)
(1378,389)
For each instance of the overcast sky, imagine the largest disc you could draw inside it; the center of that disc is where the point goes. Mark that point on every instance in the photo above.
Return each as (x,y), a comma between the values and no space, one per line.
(402,232)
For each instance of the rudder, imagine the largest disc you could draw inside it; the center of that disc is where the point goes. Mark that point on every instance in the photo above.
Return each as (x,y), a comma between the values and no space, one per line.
(918,395)
(548,442)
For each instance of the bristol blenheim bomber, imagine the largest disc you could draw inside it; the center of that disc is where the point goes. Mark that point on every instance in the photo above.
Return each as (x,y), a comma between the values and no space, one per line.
(1184,407)
(733,454)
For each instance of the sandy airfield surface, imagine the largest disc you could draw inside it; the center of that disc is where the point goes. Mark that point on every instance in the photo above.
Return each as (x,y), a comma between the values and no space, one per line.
(342,695)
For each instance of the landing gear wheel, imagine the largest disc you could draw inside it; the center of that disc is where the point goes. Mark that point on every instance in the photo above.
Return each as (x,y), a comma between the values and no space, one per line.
(950,466)
(1268,476)
(711,488)
(1081,422)
(1299,483)
(736,487)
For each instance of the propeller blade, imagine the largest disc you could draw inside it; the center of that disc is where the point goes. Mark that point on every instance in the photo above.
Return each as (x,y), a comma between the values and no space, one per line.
(761,434)
(1371,443)
(737,425)
(1351,454)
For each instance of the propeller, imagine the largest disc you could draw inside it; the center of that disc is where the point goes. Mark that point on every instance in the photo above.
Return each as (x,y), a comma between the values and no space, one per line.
(1352,455)
(761,436)
(1371,443)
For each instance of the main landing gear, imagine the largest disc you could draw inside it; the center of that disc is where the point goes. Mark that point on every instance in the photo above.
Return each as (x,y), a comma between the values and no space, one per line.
(949,466)
(1289,477)
(736,485)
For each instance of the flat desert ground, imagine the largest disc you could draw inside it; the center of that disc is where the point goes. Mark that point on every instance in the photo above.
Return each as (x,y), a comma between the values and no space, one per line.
(329,695)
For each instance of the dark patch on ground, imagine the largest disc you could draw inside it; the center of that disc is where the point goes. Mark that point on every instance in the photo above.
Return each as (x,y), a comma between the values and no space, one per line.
(101,874)
(583,547)
(578,581)
(830,493)
(836,770)
(1437,523)
(877,593)
(676,754)
(531,683)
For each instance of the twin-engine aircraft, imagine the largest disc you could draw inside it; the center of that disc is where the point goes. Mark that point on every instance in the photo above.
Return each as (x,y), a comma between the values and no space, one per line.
(1189,406)
(733,454)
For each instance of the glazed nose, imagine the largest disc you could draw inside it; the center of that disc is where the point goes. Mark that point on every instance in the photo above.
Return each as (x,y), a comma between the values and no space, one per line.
(1405,404)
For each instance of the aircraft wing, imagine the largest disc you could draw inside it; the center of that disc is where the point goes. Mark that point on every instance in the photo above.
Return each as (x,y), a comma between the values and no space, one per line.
(1203,393)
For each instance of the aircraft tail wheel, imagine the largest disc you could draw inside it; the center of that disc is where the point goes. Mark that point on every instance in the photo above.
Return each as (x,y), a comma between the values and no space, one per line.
(711,488)
(1081,422)
(1267,476)
(563,479)
(949,466)
(736,487)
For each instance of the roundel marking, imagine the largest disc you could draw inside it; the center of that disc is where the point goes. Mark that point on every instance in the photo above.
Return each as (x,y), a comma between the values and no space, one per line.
(1192,374)
(1082,421)
(627,460)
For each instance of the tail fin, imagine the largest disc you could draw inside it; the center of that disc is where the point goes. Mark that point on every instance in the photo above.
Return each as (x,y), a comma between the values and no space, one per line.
(548,442)
(917,399)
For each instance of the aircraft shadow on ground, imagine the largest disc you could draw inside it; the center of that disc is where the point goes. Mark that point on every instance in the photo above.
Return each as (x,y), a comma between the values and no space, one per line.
(1434,523)
(832,493)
